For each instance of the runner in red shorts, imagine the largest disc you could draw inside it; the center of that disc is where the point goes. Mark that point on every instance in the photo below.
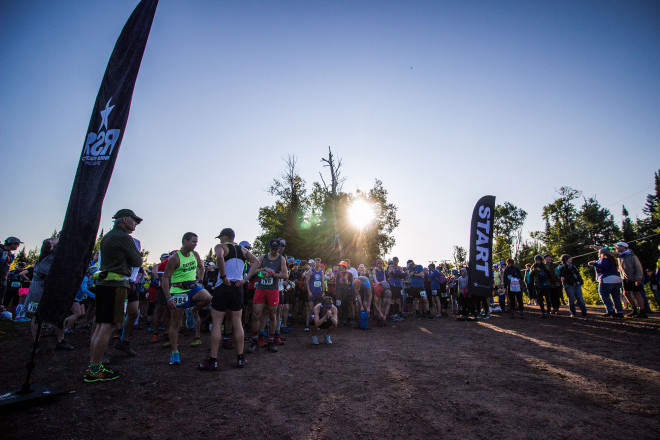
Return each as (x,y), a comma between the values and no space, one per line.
(272,268)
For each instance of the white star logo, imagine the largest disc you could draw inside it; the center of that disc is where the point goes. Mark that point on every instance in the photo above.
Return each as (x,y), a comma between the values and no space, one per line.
(104,115)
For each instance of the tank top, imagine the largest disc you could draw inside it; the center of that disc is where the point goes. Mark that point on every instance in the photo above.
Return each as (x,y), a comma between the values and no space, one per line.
(234,264)
(187,271)
(366,285)
(268,283)
(396,282)
(315,280)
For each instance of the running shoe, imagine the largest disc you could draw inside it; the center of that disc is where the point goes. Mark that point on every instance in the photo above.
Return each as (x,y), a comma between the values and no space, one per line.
(254,345)
(271,347)
(196,342)
(241,361)
(262,341)
(102,375)
(287,330)
(22,319)
(150,329)
(278,339)
(327,339)
(486,317)
(125,346)
(190,318)
(175,359)
(154,339)
(306,329)
(63,345)
(207,365)
(166,344)
(315,340)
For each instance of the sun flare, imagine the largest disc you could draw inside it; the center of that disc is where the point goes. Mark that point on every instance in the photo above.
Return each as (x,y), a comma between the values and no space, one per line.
(361,213)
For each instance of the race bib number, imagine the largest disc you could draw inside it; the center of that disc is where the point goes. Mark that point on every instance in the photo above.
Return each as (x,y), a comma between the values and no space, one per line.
(266,281)
(16,284)
(515,285)
(422,294)
(338,302)
(434,292)
(32,307)
(317,284)
(180,299)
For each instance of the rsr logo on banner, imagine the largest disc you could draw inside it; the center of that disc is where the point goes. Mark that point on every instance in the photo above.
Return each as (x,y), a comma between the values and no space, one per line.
(99,146)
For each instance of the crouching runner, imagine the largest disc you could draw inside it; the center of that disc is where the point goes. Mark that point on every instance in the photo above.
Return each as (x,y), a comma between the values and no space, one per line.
(325,318)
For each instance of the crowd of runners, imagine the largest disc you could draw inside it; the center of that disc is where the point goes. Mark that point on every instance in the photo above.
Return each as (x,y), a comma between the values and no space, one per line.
(263,295)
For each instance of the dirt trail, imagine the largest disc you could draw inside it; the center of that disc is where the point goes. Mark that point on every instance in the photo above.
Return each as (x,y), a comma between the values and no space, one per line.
(557,378)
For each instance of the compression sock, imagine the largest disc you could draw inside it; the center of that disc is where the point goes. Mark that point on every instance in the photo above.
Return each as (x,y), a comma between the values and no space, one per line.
(123,330)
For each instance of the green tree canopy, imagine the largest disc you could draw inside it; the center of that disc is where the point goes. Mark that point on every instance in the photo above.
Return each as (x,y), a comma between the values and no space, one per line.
(318,224)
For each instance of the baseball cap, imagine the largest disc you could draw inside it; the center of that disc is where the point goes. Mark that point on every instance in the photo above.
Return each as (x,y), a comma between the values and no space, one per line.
(342,263)
(12,240)
(622,243)
(164,256)
(229,232)
(282,242)
(297,261)
(127,213)
(310,261)
(274,243)
(245,244)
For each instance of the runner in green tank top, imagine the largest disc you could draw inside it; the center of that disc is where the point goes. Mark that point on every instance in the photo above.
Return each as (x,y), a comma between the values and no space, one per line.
(181,290)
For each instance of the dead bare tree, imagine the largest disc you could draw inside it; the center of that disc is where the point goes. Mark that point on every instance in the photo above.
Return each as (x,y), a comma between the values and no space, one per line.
(331,192)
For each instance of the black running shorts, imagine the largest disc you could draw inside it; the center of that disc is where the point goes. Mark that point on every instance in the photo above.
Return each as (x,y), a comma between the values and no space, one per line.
(227,297)
(630,286)
(110,304)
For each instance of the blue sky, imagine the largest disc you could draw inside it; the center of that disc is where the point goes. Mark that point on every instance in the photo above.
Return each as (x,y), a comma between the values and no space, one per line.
(442,101)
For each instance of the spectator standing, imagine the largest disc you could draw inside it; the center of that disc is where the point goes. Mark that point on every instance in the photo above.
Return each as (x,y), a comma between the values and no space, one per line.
(572,281)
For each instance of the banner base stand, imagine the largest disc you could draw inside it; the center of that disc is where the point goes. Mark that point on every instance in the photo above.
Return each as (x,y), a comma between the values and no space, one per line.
(38,393)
